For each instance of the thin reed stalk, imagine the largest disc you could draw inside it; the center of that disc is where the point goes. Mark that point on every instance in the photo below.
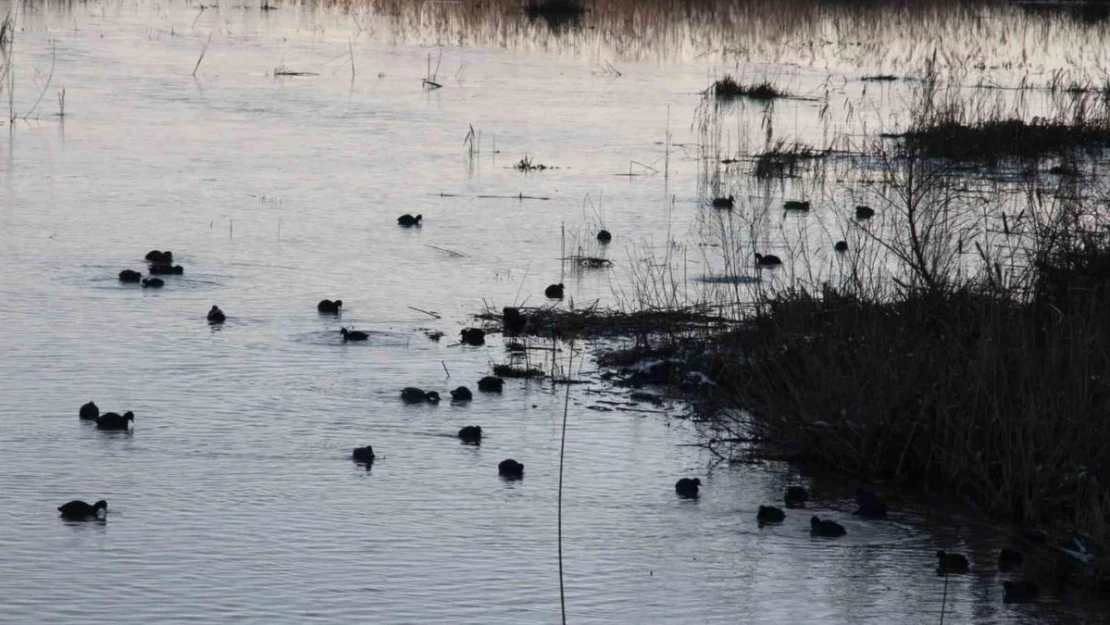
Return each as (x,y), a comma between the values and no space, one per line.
(203,51)
(562,456)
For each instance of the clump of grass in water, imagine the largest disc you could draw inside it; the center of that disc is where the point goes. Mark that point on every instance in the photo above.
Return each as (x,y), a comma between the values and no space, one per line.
(509,371)
(728,88)
(972,129)
(781,160)
(996,140)
(590,262)
(526,165)
(594,321)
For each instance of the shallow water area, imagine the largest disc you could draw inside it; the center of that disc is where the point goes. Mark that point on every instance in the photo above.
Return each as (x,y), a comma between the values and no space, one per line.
(234,498)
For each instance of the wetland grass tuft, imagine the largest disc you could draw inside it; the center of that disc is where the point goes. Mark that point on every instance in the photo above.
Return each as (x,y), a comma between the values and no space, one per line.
(594,321)
(589,262)
(1005,139)
(728,88)
(781,160)
(526,165)
(972,128)
(509,371)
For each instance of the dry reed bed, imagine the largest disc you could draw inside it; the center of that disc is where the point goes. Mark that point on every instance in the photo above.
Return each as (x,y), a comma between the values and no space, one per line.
(855,36)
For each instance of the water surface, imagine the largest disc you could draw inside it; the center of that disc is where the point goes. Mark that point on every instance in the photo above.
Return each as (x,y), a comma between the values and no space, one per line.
(234,499)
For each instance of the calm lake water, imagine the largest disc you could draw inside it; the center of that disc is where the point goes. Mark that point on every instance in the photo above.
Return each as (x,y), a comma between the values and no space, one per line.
(234,499)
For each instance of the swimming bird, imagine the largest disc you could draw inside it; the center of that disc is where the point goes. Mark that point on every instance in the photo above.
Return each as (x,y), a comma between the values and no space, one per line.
(510,469)
(216,315)
(769,514)
(796,496)
(473,336)
(870,505)
(113,421)
(78,510)
(353,335)
(431,397)
(471,434)
(153,283)
(1009,559)
(166,270)
(826,528)
(864,212)
(461,394)
(330,307)
(363,455)
(687,487)
(155,256)
(408,220)
(795,205)
(841,246)
(130,275)
(1021,591)
(768,260)
(951,563)
(89,411)
(554,291)
(603,236)
(413,395)
(491,384)
(724,202)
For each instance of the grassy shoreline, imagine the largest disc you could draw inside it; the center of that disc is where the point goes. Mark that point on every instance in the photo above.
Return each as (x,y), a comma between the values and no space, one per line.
(954,370)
